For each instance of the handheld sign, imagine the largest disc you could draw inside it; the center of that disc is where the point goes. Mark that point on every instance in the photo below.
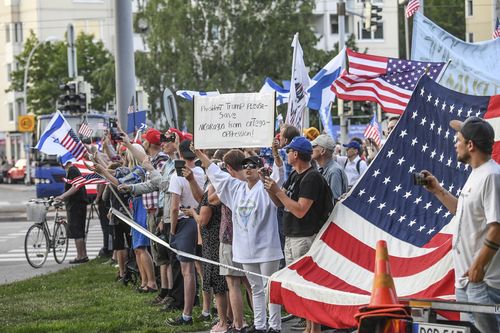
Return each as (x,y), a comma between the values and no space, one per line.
(234,120)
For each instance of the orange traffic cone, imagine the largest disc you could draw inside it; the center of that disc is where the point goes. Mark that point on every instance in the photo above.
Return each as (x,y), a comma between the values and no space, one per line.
(384,313)
(383,291)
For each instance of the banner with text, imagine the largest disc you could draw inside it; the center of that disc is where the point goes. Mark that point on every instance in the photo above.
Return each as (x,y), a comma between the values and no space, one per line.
(234,120)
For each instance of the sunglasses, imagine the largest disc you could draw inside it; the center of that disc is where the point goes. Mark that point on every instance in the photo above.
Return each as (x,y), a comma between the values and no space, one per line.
(250,166)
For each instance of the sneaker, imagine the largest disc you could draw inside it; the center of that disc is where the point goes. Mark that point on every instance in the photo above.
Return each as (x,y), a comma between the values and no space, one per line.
(179,321)
(204,318)
(252,329)
(300,326)
(218,328)
(272,330)
(287,318)
(238,330)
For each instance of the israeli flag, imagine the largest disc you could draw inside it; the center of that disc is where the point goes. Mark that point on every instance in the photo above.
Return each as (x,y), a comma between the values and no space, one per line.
(188,94)
(320,94)
(282,94)
(51,140)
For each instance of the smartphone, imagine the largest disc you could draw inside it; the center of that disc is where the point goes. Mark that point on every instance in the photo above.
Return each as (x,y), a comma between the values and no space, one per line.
(113,130)
(179,164)
(266,172)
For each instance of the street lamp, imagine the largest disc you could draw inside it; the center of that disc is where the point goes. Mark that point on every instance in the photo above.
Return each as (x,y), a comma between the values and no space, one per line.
(25,103)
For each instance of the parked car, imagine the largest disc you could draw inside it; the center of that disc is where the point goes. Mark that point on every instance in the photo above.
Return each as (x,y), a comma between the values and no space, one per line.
(17,172)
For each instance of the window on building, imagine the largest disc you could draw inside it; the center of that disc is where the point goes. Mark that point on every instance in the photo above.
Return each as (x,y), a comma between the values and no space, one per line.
(470,8)
(11,112)
(18,32)
(20,107)
(471,37)
(9,72)
(369,34)
(334,24)
(7,33)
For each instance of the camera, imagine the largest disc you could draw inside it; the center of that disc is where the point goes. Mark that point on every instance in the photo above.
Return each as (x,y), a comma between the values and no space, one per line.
(113,130)
(179,164)
(419,179)
(167,137)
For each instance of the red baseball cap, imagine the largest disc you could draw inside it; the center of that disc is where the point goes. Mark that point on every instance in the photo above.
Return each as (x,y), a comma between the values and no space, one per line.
(152,136)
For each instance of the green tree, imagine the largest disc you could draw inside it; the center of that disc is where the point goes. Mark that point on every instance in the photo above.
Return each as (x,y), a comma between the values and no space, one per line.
(49,68)
(226,45)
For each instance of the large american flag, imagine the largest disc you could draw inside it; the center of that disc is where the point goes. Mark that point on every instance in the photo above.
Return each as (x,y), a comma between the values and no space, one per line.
(73,144)
(387,81)
(335,277)
(92,178)
(496,32)
(372,131)
(412,7)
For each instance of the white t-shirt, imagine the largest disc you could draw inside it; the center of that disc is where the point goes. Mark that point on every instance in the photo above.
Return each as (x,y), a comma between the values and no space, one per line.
(179,185)
(350,168)
(255,223)
(478,205)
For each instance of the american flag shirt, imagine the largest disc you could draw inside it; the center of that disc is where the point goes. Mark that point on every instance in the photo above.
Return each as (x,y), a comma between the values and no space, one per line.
(150,200)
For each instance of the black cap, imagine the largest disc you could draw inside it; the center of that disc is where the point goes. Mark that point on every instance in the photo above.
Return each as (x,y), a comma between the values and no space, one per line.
(476,130)
(253,159)
(185,150)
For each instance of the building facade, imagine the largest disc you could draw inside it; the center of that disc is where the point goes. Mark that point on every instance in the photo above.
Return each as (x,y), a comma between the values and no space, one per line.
(383,41)
(480,19)
(48,19)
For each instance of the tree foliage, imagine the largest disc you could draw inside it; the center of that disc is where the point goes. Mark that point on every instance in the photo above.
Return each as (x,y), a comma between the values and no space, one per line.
(48,69)
(226,45)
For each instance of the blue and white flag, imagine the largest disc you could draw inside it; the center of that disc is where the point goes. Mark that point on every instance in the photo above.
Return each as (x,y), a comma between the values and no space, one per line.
(282,94)
(60,139)
(135,117)
(474,68)
(320,94)
(298,87)
(188,94)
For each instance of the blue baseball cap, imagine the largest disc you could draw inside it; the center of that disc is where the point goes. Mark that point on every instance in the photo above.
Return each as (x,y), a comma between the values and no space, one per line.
(300,144)
(353,144)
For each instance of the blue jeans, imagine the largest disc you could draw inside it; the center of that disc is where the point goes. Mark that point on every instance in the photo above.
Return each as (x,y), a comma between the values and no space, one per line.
(483,294)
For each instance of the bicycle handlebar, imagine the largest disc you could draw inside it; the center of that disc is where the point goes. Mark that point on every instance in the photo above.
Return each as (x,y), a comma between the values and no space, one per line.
(51,201)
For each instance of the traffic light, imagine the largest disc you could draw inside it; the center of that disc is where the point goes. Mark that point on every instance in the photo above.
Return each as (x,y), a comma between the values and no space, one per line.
(76,96)
(372,15)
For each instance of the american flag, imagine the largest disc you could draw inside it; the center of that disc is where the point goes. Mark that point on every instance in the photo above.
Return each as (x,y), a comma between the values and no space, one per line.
(412,7)
(496,32)
(372,131)
(335,277)
(73,144)
(387,81)
(85,130)
(92,178)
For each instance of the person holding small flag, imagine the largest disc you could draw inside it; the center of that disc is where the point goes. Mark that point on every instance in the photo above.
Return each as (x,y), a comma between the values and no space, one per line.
(76,202)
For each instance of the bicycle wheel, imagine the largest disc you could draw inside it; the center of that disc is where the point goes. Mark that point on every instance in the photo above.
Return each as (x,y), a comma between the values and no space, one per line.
(60,242)
(36,246)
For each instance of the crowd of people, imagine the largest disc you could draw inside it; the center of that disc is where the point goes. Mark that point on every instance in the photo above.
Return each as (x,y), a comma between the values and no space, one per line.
(252,210)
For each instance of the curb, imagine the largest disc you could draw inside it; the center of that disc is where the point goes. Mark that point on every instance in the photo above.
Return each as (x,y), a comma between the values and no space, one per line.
(20,217)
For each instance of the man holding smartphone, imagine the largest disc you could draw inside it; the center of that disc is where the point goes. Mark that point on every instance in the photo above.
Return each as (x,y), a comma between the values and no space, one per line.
(183,229)
(476,222)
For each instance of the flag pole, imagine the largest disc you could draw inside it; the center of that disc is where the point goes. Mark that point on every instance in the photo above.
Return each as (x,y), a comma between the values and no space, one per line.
(292,82)
(445,67)
(407,34)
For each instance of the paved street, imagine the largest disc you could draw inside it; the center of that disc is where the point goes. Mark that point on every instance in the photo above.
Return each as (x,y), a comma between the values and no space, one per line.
(13,227)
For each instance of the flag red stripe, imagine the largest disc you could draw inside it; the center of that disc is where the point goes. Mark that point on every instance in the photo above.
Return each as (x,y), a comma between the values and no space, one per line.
(354,54)
(437,241)
(311,271)
(306,308)
(351,248)
(445,286)
(493,109)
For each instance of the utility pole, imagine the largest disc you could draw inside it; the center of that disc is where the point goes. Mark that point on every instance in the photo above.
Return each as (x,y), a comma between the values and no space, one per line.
(124,59)
(343,120)
(72,64)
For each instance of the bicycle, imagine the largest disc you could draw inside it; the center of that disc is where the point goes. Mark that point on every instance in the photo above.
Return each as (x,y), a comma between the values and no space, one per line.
(39,240)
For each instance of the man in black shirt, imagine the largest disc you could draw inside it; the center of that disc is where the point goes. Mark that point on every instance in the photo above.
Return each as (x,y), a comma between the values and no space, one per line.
(303,199)
(76,210)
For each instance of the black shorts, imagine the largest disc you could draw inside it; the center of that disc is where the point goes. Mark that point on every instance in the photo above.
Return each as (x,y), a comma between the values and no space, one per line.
(77,216)
(163,254)
(121,236)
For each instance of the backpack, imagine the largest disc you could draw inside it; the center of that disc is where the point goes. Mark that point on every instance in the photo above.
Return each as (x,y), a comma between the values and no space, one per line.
(358,163)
